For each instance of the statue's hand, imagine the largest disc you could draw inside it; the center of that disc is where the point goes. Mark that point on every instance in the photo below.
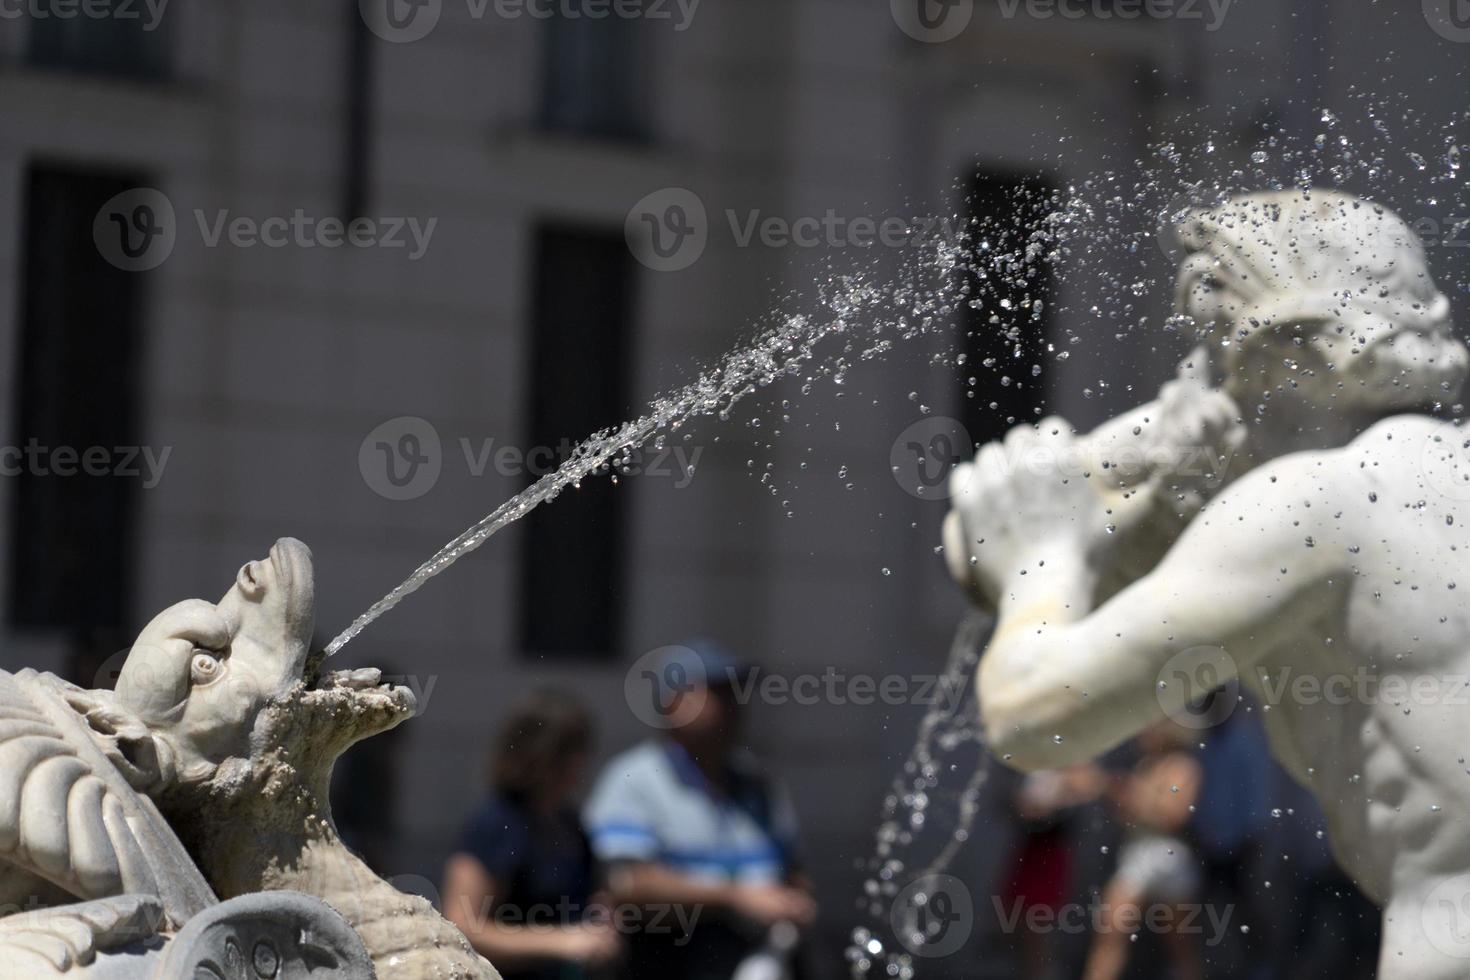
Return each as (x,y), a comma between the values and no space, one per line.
(1178,447)
(1157,465)
(1024,496)
(1199,432)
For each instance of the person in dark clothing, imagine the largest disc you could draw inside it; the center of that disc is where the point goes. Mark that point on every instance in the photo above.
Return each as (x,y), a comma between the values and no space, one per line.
(520,883)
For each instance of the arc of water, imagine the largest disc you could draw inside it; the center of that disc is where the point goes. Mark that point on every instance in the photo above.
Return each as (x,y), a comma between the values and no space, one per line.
(780,350)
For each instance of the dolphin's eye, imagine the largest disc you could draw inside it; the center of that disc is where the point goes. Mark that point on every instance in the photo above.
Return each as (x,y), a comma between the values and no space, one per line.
(204,668)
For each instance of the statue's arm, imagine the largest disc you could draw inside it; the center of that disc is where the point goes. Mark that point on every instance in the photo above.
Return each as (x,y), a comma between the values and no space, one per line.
(1061,682)
(1153,468)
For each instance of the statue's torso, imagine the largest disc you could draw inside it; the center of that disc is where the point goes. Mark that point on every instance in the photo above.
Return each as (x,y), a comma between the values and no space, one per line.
(1369,704)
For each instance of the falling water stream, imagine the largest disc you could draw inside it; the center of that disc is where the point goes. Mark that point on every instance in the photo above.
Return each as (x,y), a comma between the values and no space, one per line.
(947,727)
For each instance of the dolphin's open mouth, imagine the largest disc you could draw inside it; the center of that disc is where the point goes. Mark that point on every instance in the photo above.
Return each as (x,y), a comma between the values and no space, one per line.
(361,689)
(362,684)
(368,680)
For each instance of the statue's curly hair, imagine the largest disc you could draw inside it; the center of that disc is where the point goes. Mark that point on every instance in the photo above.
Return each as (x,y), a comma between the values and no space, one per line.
(1320,270)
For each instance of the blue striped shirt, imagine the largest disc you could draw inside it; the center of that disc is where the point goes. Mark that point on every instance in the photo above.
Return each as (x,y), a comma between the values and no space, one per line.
(652,803)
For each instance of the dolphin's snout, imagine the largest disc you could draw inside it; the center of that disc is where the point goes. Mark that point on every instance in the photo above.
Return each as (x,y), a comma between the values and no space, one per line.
(292,560)
(290,549)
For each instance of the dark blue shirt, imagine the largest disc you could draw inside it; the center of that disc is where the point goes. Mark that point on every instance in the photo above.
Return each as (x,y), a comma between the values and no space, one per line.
(542,868)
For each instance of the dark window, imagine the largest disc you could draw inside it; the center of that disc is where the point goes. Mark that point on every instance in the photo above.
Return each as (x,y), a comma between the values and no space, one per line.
(573,548)
(1004,334)
(72,536)
(357,132)
(592,78)
(118,39)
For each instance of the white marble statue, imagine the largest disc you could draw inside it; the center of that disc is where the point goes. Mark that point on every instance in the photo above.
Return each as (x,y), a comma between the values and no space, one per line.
(124,814)
(1336,548)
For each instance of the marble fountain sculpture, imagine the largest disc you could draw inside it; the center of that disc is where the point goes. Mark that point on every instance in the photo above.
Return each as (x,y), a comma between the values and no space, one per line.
(1331,549)
(178,827)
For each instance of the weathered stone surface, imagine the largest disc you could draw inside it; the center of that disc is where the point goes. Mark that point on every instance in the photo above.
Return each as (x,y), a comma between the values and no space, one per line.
(205,774)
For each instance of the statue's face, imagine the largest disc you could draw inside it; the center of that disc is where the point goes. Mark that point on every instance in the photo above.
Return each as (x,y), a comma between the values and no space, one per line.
(1405,368)
(1378,364)
(202,675)
(268,613)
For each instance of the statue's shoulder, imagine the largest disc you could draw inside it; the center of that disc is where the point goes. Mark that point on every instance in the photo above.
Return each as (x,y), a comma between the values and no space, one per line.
(1401,447)
(1411,457)
(1400,432)
(1420,449)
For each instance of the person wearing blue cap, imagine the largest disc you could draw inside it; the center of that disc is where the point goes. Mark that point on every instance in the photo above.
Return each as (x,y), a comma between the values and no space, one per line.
(693,833)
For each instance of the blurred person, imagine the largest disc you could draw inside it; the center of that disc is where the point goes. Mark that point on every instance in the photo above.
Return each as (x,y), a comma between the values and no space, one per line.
(1231,830)
(520,884)
(694,834)
(1042,867)
(1156,868)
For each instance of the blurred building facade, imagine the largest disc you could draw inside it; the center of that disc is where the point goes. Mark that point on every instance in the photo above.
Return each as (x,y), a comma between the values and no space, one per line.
(262,371)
